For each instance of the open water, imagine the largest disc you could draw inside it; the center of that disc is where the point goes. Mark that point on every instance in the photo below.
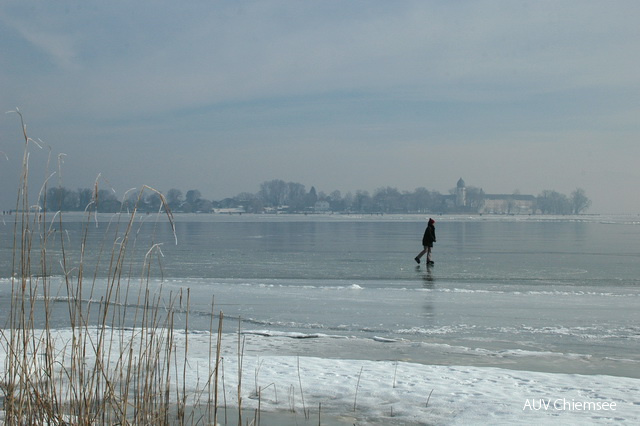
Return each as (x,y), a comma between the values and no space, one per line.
(553,294)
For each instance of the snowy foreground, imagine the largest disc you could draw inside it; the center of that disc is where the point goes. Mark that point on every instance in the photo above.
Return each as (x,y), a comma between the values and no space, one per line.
(389,392)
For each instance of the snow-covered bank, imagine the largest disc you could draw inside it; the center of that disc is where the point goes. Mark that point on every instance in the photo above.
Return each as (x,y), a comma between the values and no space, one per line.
(385,392)
(391,392)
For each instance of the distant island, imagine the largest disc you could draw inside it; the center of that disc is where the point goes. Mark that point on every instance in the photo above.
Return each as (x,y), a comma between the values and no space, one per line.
(278,196)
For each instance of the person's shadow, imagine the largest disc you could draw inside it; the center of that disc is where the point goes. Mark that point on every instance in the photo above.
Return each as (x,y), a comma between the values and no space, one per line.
(427,276)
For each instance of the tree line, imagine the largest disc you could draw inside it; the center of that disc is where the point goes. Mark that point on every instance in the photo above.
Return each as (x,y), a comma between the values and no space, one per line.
(290,197)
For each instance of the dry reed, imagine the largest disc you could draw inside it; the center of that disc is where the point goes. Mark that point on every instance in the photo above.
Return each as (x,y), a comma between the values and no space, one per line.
(120,364)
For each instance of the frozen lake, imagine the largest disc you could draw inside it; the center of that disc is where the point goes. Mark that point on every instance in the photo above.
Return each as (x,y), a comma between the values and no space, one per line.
(531,293)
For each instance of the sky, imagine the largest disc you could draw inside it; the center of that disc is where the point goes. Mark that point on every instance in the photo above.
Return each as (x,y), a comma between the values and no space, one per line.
(221,96)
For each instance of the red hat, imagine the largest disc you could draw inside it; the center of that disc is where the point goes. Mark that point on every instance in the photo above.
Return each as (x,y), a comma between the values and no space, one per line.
(431,220)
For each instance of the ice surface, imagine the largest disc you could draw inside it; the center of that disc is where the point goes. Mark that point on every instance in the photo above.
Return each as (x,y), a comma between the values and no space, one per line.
(518,313)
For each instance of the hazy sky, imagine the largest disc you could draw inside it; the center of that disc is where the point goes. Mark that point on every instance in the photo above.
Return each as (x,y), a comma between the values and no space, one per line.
(220,96)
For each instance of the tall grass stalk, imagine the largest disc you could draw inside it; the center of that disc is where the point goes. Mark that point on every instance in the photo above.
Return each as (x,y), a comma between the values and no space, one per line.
(241,342)
(304,407)
(120,363)
(355,398)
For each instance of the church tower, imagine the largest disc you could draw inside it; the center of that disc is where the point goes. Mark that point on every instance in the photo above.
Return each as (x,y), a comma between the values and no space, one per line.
(461,194)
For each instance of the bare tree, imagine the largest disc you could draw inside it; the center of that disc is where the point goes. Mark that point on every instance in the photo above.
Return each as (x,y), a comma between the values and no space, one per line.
(193,195)
(273,192)
(475,198)
(174,198)
(579,201)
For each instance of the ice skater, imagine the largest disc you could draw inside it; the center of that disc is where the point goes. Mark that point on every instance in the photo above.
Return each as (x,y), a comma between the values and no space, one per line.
(427,242)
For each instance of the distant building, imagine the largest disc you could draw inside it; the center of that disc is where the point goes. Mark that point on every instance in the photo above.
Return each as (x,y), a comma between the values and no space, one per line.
(232,210)
(493,203)
(461,193)
(508,204)
(321,206)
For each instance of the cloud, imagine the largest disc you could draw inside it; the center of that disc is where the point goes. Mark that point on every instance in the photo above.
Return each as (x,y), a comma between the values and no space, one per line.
(174,58)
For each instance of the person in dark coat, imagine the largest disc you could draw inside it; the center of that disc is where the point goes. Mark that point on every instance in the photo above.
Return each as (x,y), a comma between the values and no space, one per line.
(427,242)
